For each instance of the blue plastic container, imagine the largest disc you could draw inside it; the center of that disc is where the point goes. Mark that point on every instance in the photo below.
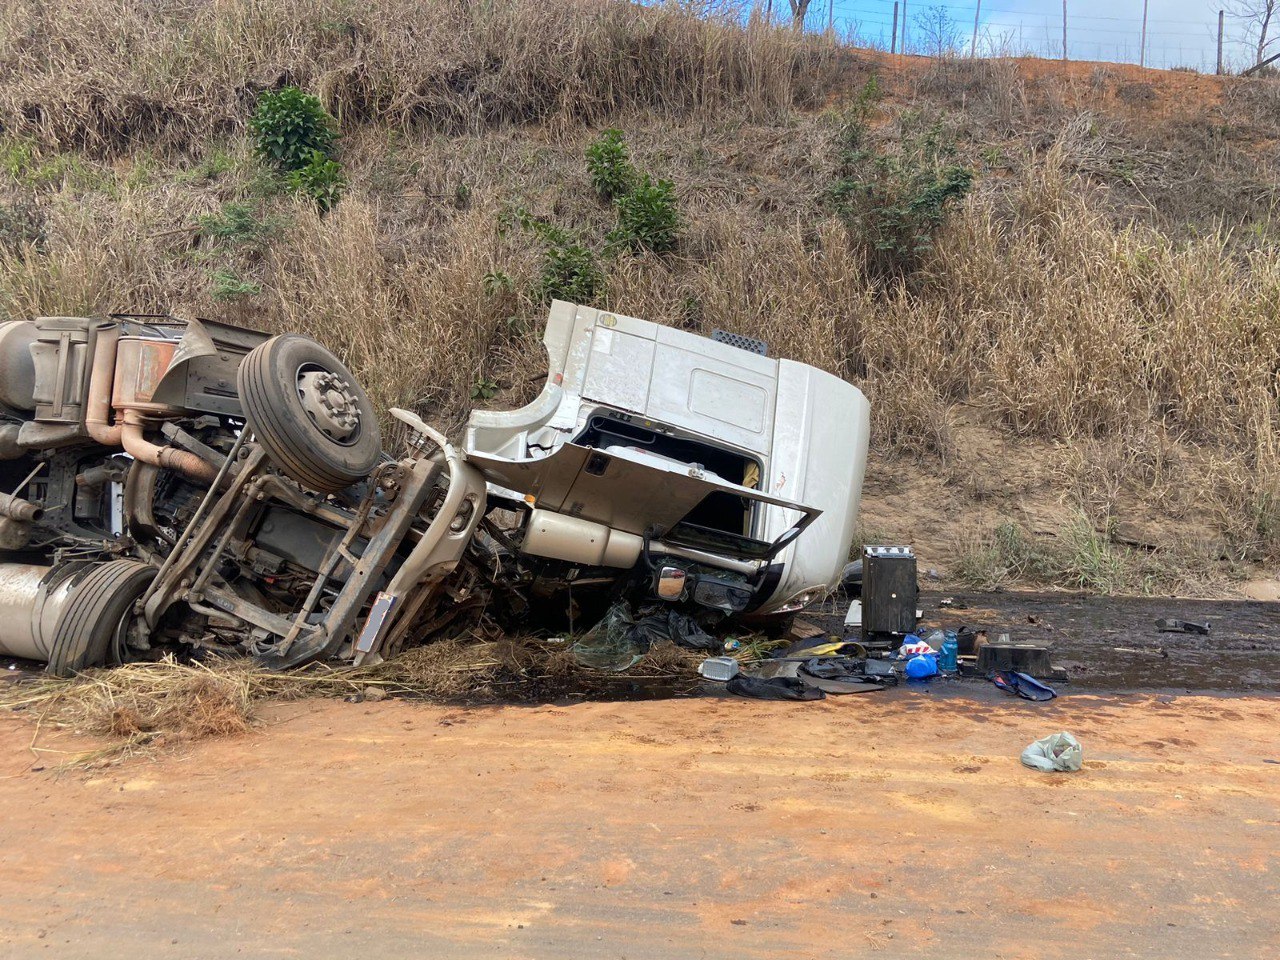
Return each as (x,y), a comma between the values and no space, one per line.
(922,667)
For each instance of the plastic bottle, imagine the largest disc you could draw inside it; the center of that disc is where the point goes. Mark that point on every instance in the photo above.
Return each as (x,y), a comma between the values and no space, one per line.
(950,653)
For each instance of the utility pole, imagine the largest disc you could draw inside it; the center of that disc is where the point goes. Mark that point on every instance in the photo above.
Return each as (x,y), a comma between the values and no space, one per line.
(973,44)
(904,26)
(1142,50)
(831,14)
(1064,29)
(893,42)
(1220,43)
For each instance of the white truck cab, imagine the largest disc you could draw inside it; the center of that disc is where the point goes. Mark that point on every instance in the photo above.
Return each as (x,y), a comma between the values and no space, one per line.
(648,441)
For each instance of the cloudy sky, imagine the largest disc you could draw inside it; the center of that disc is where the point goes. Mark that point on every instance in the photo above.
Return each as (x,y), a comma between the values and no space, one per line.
(1179,32)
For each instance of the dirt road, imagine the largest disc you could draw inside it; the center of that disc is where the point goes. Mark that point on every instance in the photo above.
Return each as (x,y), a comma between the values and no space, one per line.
(887,824)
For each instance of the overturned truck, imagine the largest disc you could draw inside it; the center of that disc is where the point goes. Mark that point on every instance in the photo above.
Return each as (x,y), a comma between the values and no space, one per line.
(188,486)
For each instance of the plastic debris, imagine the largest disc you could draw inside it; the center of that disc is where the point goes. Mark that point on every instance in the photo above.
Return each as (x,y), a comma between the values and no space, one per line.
(1059,752)
(719,668)
(776,688)
(1024,685)
(922,667)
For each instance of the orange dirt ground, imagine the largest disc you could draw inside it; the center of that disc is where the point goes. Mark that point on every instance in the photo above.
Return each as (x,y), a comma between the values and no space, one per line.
(885,824)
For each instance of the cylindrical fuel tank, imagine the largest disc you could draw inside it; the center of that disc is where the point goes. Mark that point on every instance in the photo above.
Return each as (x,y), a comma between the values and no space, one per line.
(17,368)
(31,599)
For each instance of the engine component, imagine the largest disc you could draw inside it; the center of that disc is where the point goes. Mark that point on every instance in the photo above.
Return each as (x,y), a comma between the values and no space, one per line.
(576,540)
(141,364)
(17,368)
(95,619)
(32,598)
(15,508)
(309,413)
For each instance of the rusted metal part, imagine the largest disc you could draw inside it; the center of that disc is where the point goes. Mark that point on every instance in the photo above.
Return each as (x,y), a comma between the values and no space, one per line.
(438,551)
(325,642)
(97,418)
(336,553)
(200,531)
(24,511)
(180,461)
(141,364)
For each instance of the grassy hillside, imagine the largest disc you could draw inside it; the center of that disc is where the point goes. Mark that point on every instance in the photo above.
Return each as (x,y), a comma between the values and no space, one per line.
(1074,365)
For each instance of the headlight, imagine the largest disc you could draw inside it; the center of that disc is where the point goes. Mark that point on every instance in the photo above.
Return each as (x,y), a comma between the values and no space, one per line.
(799,601)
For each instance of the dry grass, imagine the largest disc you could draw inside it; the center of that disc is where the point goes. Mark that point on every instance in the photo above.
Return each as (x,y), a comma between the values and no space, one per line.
(1150,350)
(142,706)
(108,76)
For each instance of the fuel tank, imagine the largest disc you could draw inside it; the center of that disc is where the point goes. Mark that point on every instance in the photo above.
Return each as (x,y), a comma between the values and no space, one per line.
(31,599)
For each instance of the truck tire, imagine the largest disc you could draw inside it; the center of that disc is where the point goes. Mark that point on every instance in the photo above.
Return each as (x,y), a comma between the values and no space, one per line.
(96,614)
(306,409)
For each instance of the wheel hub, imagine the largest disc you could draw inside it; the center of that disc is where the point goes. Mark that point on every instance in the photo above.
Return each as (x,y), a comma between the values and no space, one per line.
(330,403)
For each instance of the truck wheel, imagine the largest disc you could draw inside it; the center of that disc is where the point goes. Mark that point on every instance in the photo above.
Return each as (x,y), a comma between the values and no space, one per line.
(306,409)
(92,626)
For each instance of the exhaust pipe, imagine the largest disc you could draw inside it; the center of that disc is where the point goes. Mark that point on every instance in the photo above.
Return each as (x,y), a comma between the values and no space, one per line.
(31,600)
(97,417)
(171,458)
(15,508)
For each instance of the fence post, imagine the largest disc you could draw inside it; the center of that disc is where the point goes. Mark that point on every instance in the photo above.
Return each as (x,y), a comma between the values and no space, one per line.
(1064,29)
(1142,49)
(893,42)
(1219,43)
(973,44)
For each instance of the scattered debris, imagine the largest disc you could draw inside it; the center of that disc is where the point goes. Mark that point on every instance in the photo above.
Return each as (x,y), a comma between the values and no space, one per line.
(1170,625)
(775,688)
(1023,657)
(719,668)
(1024,686)
(1057,752)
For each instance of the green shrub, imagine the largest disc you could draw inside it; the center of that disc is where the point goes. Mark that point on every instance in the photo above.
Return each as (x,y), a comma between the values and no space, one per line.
(227,285)
(321,179)
(895,203)
(647,217)
(609,165)
(290,127)
(570,271)
(238,225)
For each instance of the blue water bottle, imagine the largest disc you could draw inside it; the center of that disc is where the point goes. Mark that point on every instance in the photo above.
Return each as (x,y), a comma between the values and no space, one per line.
(950,653)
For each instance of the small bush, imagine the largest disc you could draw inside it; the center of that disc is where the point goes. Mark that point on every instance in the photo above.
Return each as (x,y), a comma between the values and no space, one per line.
(647,217)
(227,286)
(570,271)
(895,203)
(290,127)
(610,167)
(321,179)
(238,225)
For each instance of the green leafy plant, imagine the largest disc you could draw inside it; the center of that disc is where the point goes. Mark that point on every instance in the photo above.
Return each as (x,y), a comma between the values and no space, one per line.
(227,285)
(290,126)
(321,179)
(610,167)
(237,225)
(496,282)
(895,203)
(484,388)
(570,271)
(647,217)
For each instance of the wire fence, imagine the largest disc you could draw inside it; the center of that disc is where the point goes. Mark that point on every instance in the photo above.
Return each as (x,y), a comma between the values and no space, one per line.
(1129,31)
